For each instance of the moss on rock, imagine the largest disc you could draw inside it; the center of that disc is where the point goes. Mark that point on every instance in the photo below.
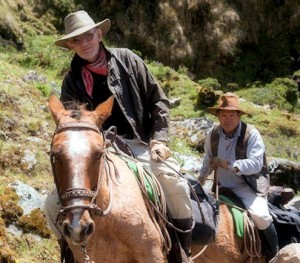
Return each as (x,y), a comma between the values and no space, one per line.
(10,210)
(6,254)
(35,222)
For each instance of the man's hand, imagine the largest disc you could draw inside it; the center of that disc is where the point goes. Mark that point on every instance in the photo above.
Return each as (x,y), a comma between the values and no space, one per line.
(160,149)
(201,179)
(216,162)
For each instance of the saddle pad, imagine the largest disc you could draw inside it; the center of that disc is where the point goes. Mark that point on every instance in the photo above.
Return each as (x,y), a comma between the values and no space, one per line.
(133,167)
(237,215)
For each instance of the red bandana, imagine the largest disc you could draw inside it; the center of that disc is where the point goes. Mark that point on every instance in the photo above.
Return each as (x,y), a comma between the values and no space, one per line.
(98,67)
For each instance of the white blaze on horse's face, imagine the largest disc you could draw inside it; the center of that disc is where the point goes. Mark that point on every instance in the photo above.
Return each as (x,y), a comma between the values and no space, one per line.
(78,149)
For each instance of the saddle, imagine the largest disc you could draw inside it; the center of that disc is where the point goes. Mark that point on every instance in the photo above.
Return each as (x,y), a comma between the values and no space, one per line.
(286,221)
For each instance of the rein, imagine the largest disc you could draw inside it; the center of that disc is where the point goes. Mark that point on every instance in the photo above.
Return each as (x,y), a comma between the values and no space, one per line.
(82,192)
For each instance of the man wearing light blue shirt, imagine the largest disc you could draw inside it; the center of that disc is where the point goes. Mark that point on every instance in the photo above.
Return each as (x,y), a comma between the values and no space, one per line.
(236,152)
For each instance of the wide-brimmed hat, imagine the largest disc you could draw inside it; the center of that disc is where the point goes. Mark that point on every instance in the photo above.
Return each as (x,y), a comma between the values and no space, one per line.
(78,23)
(228,101)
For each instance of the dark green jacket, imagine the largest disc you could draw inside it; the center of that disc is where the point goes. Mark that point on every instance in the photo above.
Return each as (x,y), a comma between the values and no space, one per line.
(141,99)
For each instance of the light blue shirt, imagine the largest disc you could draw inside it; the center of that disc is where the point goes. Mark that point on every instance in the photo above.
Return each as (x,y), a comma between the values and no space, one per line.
(226,150)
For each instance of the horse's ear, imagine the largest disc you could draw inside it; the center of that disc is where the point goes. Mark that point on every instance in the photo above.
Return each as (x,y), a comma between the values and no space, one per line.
(103,111)
(56,107)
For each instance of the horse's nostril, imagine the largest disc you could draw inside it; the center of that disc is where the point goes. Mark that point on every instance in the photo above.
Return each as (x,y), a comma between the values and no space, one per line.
(90,229)
(66,229)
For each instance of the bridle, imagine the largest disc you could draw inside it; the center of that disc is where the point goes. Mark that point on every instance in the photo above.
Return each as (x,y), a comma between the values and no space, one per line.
(73,193)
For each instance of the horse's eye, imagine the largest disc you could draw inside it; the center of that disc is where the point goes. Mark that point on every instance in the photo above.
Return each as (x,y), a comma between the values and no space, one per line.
(55,155)
(97,155)
(54,158)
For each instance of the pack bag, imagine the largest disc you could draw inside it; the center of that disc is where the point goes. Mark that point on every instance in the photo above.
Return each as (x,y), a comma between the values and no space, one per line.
(205,213)
(286,222)
(280,195)
(259,182)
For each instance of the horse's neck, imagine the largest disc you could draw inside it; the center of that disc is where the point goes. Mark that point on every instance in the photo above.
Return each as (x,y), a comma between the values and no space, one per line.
(111,169)
(108,178)
(103,186)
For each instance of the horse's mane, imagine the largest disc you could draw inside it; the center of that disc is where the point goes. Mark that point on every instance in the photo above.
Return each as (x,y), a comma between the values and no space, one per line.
(76,109)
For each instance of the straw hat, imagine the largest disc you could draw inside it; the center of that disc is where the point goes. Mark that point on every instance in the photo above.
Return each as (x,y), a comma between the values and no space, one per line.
(78,23)
(228,101)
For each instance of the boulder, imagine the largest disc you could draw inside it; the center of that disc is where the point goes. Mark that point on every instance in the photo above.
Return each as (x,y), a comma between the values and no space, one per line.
(30,199)
(290,253)
(284,172)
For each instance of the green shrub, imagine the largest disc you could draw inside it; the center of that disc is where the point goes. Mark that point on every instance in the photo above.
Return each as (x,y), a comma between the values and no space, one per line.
(161,72)
(41,52)
(281,93)
(43,88)
(210,83)
(292,96)
(183,70)
(206,97)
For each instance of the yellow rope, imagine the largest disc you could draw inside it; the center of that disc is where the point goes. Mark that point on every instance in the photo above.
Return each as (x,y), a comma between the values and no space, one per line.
(251,238)
(160,204)
(199,253)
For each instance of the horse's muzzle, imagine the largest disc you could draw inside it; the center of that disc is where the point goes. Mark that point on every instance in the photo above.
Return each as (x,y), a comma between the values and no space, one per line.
(78,226)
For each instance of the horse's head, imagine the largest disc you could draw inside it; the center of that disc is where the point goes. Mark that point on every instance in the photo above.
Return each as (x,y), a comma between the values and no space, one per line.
(77,153)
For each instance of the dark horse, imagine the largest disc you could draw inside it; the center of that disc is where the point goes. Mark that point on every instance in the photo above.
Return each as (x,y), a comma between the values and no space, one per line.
(103,215)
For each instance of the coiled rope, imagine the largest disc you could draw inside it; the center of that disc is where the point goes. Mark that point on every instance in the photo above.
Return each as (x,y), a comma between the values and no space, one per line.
(252,242)
(251,238)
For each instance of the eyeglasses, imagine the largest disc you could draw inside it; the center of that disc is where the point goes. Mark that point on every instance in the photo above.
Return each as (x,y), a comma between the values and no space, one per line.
(87,37)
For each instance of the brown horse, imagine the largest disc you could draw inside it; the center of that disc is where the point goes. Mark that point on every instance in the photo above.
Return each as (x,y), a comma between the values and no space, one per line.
(103,217)
(227,248)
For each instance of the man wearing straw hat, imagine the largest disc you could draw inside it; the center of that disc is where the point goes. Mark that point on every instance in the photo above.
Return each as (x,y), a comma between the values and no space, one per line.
(140,111)
(236,152)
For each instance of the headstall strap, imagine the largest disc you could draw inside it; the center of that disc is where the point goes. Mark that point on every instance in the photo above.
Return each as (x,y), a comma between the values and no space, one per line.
(81,192)
(77,193)
(76,125)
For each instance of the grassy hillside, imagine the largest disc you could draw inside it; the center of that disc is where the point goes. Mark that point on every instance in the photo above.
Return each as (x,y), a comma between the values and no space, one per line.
(240,41)
(229,39)
(26,80)
(24,90)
